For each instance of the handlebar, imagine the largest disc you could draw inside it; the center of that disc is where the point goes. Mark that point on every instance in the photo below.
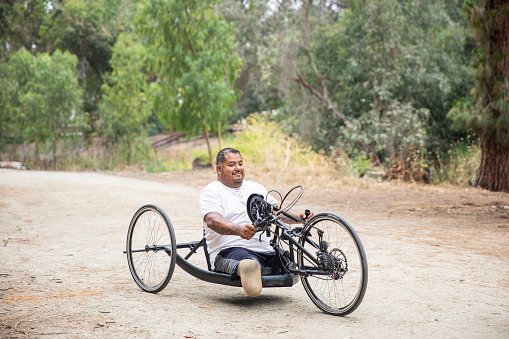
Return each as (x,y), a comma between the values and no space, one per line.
(262,224)
(263,214)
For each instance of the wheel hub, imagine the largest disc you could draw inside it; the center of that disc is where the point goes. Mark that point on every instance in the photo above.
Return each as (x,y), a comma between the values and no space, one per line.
(335,263)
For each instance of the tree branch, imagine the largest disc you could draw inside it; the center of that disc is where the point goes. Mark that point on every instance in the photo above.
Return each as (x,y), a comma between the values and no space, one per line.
(324,95)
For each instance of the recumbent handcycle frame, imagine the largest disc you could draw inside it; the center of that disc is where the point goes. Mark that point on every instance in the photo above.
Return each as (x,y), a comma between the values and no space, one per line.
(325,252)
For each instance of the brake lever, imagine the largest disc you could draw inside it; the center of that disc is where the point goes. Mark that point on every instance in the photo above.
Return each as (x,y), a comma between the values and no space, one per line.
(265,228)
(258,224)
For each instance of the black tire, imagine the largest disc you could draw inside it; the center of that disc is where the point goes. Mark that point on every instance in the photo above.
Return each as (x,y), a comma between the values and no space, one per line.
(342,291)
(151,248)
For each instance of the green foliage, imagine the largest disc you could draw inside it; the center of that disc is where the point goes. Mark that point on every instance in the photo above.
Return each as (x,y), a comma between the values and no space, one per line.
(263,143)
(393,68)
(381,58)
(125,108)
(461,163)
(162,164)
(88,29)
(487,109)
(261,36)
(399,126)
(361,165)
(20,21)
(191,49)
(41,99)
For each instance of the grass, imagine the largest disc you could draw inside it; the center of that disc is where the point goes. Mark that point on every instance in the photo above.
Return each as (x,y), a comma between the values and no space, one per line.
(273,156)
(460,166)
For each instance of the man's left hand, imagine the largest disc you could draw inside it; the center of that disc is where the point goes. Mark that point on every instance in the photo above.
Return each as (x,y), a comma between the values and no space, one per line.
(304,217)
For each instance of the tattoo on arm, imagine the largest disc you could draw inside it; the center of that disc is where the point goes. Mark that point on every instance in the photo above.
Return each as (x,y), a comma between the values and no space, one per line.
(221,225)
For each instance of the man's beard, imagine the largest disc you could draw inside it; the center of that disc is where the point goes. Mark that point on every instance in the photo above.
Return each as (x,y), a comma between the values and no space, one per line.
(238,180)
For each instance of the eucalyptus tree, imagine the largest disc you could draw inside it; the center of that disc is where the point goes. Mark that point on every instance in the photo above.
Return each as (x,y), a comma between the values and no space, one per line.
(125,108)
(489,114)
(20,21)
(262,33)
(89,30)
(17,125)
(54,94)
(192,52)
(376,75)
(43,102)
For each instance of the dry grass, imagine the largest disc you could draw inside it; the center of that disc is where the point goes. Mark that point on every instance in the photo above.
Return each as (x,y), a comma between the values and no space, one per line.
(271,156)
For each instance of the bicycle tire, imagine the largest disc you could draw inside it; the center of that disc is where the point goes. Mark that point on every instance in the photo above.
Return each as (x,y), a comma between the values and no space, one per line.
(342,291)
(151,248)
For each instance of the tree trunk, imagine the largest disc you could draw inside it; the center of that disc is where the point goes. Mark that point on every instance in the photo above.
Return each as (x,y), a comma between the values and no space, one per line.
(37,160)
(210,150)
(219,135)
(54,152)
(493,173)
(25,152)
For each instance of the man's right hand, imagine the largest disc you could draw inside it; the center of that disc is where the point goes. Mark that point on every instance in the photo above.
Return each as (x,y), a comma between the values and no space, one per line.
(247,231)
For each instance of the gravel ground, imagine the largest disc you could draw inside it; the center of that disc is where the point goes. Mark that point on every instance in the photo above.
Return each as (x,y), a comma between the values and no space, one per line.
(438,263)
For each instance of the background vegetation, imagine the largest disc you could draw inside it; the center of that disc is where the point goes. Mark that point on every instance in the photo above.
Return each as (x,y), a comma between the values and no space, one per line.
(348,87)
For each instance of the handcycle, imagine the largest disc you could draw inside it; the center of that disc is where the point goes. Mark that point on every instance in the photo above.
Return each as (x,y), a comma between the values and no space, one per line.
(325,252)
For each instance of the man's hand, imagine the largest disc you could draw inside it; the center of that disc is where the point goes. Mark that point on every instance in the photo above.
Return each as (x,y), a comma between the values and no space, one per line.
(247,231)
(304,217)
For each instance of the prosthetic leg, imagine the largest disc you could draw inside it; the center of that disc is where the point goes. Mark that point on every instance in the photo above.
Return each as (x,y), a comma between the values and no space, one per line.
(250,275)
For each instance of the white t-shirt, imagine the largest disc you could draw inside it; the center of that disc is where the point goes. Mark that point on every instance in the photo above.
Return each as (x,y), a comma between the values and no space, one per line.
(231,203)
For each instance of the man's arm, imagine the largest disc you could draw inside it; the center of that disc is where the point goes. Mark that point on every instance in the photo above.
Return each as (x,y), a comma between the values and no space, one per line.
(221,225)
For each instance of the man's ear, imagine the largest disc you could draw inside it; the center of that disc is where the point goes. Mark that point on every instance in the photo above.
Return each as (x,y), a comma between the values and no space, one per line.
(218,169)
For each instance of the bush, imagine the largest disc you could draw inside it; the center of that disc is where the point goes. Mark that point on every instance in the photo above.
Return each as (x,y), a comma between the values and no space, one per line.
(461,163)
(409,165)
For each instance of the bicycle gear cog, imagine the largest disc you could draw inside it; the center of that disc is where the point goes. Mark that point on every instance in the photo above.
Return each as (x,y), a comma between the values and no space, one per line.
(335,263)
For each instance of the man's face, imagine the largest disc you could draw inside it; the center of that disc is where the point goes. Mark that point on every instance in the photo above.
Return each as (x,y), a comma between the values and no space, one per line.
(231,173)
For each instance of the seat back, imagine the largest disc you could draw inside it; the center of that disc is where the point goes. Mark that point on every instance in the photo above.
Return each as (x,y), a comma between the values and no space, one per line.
(205,250)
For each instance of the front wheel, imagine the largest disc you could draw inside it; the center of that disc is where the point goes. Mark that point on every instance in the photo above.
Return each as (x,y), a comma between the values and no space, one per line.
(339,252)
(151,249)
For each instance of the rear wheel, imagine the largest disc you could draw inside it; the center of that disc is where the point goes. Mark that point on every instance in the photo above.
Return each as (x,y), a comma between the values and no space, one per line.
(341,259)
(151,248)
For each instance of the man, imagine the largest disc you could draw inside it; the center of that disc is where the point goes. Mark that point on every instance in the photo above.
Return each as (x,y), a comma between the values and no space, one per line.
(231,243)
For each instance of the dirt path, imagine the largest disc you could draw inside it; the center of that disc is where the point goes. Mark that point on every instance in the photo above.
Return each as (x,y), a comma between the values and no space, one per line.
(438,263)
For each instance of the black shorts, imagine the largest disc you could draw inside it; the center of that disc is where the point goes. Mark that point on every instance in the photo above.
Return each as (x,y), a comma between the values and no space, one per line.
(228,259)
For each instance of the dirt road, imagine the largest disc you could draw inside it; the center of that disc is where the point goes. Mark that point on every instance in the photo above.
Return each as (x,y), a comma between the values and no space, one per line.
(438,263)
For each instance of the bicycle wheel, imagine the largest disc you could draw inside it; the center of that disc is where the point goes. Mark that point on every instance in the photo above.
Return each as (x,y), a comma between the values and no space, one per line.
(342,256)
(151,249)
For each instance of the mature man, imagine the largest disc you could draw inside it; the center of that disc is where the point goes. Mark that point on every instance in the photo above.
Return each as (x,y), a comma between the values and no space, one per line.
(232,247)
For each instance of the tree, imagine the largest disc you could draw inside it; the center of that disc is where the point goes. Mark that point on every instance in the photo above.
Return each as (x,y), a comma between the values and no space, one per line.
(191,50)
(17,124)
(125,108)
(260,34)
(88,29)
(341,71)
(372,66)
(43,99)
(20,21)
(489,115)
